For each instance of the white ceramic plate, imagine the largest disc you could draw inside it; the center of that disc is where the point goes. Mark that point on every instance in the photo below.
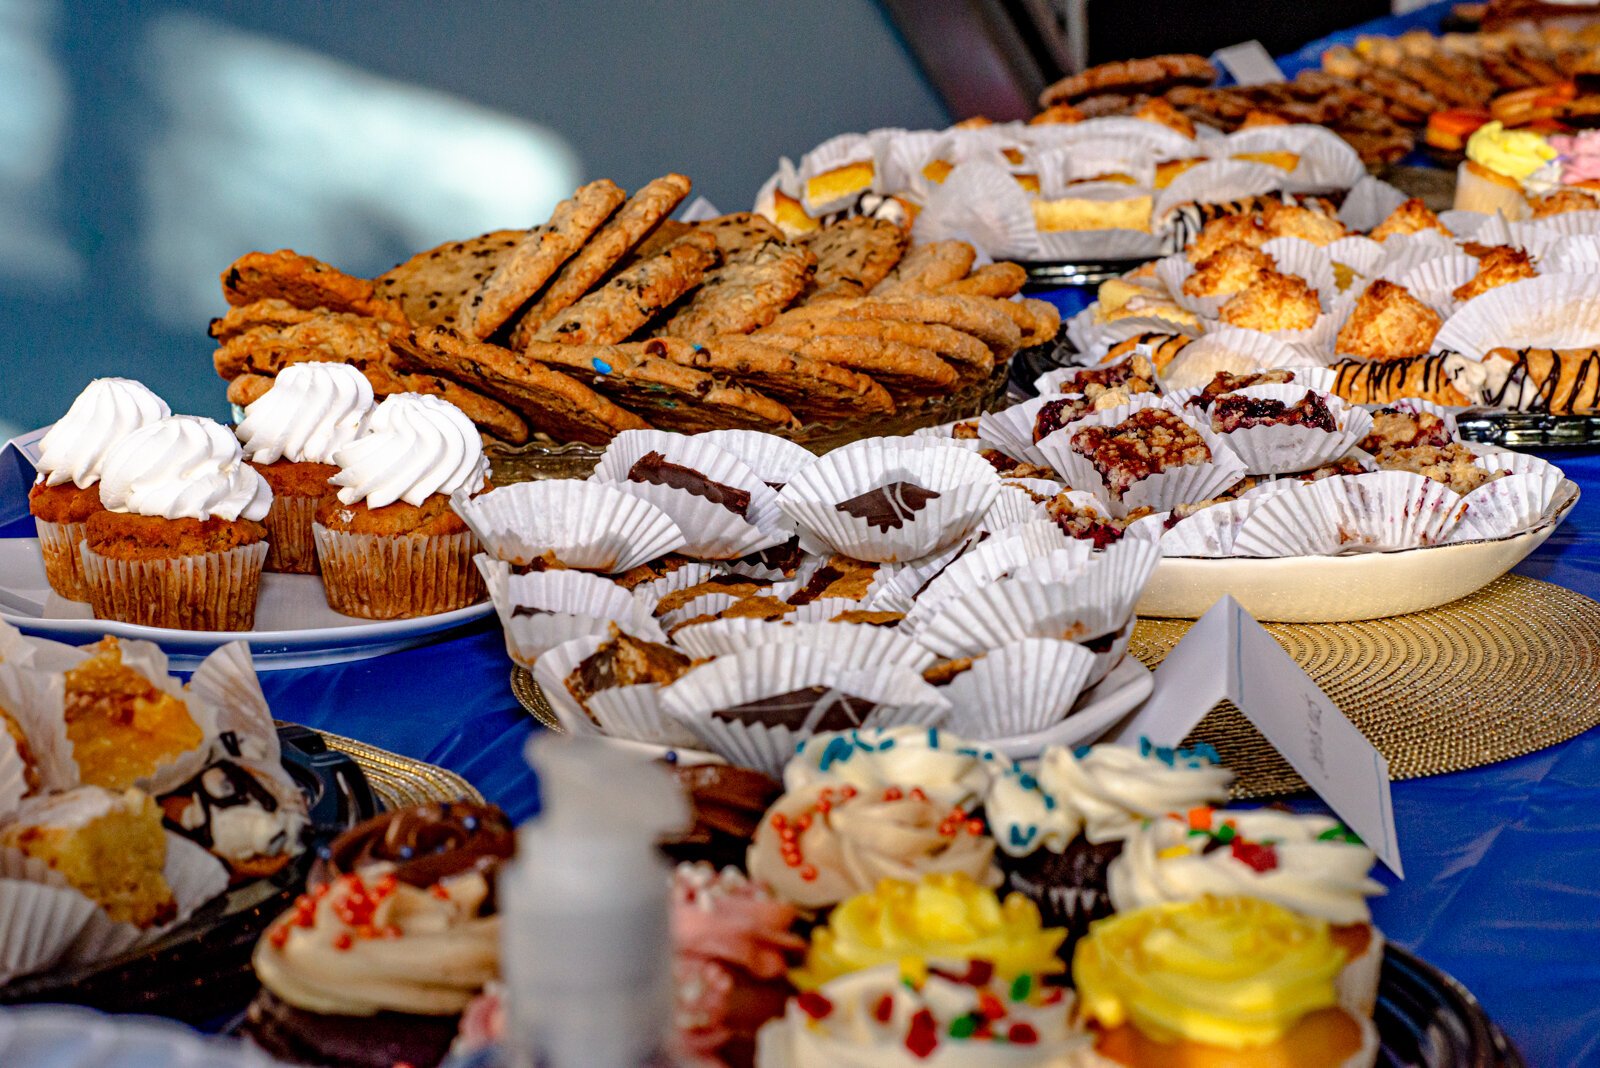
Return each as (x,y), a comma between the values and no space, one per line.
(1336,589)
(59,1037)
(1096,712)
(294,625)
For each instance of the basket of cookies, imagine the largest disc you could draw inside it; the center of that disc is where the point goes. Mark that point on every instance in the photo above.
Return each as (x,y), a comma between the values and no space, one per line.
(612,316)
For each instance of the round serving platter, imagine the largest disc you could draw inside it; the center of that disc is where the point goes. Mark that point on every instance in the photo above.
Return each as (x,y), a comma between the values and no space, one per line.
(1340,589)
(295,628)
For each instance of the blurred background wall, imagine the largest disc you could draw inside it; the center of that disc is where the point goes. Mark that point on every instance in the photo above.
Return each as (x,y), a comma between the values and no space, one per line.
(145,145)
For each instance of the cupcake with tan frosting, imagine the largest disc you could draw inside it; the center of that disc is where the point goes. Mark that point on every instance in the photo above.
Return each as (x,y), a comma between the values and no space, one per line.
(388,542)
(72,453)
(290,435)
(180,542)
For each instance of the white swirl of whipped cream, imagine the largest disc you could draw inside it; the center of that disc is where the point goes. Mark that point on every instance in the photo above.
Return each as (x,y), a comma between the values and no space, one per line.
(415,445)
(1330,879)
(311,412)
(183,467)
(1106,792)
(108,410)
(948,768)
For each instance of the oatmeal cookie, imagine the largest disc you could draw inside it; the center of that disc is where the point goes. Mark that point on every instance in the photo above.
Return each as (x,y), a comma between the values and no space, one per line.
(1000,280)
(1153,75)
(965,351)
(811,388)
(926,267)
(625,304)
(430,286)
(904,370)
(853,256)
(977,316)
(745,294)
(271,311)
(305,283)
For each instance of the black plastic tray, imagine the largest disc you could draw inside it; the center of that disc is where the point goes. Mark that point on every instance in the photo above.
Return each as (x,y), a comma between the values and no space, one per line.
(201,970)
(1426,1019)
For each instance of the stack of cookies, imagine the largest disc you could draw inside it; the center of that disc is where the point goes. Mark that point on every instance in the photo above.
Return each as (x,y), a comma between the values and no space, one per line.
(610,316)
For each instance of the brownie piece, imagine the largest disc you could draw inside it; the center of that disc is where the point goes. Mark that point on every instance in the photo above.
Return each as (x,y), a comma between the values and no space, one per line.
(623,660)
(1146,443)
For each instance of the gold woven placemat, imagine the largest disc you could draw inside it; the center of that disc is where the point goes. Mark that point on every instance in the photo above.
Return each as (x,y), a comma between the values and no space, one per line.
(1509,670)
(398,780)
(532,699)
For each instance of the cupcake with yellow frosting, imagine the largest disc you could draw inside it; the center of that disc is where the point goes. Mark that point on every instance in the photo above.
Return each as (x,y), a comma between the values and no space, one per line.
(1219,981)
(1498,162)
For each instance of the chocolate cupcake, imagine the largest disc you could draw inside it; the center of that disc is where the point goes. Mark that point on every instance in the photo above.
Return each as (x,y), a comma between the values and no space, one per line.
(374,966)
(1060,826)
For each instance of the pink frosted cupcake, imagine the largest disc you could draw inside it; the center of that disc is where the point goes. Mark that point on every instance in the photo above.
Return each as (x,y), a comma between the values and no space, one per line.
(290,436)
(72,453)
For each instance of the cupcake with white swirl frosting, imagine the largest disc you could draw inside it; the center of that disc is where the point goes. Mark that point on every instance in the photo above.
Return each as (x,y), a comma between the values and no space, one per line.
(71,454)
(388,542)
(180,543)
(290,435)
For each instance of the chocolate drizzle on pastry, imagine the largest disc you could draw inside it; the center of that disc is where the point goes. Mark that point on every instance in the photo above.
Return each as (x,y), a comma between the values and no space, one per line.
(1561,382)
(427,843)
(219,786)
(889,507)
(655,469)
(1424,377)
(811,708)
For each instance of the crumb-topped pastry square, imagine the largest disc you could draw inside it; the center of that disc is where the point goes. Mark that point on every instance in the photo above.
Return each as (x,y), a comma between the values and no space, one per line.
(1240,412)
(1149,441)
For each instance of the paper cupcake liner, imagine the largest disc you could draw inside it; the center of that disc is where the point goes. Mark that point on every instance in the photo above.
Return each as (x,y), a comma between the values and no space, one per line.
(1554,227)
(1404,252)
(850,646)
(1114,577)
(1218,181)
(207,591)
(1557,311)
(550,671)
(1507,506)
(593,526)
(1320,379)
(1160,491)
(403,576)
(713,532)
(1094,159)
(37,701)
(1231,349)
(908,156)
(980,203)
(1277,450)
(900,696)
(1163,142)
(1210,533)
(63,566)
(1303,259)
(37,925)
(1174,271)
(1573,254)
(1085,244)
(1005,611)
(1019,688)
(1388,510)
(541,610)
(195,877)
(994,558)
(824,610)
(1108,650)
(1302,522)
(1434,281)
(1369,202)
(965,483)
(690,574)
(900,591)
(150,661)
(1357,988)
(1013,506)
(291,548)
(1517,463)
(228,694)
(1011,429)
(707,604)
(634,713)
(774,460)
(1463,224)
(1360,254)
(1327,161)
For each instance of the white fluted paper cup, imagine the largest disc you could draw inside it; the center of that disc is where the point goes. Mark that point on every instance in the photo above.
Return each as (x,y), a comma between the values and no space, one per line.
(63,565)
(1388,510)
(38,922)
(1303,259)
(1005,611)
(881,502)
(36,700)
(634,713)
(1557,311)
(1326,160)
(1217,181)
(1281,449)
(775,460)
(1231,349)
(1435,281)
(1507,506)
(592,526)
(541,610)
(399,576)
(205,591)
(551,670)
(1304,522)
(840,151)
(1210,533)
(1359,255)
(994,558)
(1019,688)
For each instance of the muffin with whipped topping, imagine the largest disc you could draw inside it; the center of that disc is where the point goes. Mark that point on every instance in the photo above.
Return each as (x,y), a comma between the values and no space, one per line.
(290,435)
(180,542)
(388,542)
(374,965)
(71,455)
(1059,826)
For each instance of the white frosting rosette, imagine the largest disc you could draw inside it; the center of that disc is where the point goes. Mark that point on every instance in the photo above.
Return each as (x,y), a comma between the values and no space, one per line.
(1315,870)
(952,771)
(877,500)
(1326,160)
(633,713)
(541,610)
(803,690)
(1280,449)
(1558,311)
(312,410)
(1018,688)
(717,529)
(412,446)
(592,526)
(107,411)
(1159,491)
